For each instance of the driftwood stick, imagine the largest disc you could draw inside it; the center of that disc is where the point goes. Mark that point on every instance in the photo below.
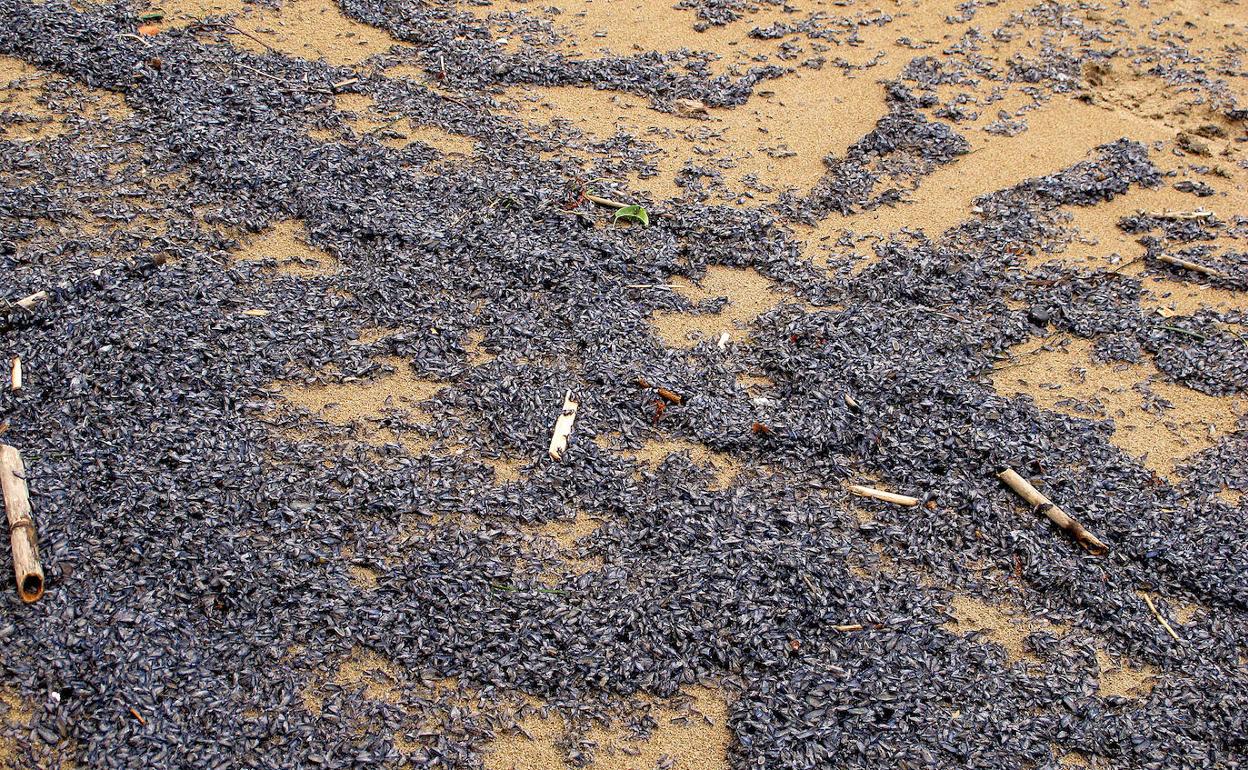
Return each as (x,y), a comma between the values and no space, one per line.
(1189,265)
(848,627)
(1160,619)
(15,374)
(563,428)
(1178,215)
(21,527)
(879,494)
(1041,504)
(601,201)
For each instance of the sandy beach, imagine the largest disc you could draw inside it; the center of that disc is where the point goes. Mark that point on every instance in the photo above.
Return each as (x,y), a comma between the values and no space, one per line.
(320,272)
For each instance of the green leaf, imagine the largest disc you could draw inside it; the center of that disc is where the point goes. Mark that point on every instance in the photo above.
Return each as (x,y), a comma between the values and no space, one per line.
(152,16)
(635,213)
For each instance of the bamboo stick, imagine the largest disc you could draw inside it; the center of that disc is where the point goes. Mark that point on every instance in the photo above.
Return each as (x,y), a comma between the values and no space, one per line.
(21,527)
(563,428)
(1041,504)
(880,494)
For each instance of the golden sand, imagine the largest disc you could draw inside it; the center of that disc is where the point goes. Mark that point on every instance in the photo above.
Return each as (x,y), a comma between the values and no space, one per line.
(306,29)
(749,294)
(692,735)
(286,243)
(1063,377)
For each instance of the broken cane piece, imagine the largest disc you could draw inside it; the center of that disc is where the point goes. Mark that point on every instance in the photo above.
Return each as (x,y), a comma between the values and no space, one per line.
(27,303)
(1042,504)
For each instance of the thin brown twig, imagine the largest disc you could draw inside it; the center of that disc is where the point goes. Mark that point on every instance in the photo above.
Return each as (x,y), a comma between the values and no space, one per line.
(1164,623)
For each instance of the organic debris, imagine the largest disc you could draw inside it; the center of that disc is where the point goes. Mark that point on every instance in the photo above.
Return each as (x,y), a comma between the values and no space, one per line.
(215,555)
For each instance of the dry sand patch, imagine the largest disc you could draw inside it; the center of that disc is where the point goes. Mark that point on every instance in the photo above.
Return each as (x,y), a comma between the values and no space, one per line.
(395,130)
(348,402)
(748,293)
(691,733)
(24,92)
(307,29)
(1156,421)
(286,243)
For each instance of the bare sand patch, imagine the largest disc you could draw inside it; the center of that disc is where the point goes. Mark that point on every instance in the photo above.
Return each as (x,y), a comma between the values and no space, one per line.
(655,450)
(566,532)
(1160,433)
(22,89)
(358,400)
(1004,625)
(15,713)
(749,294)
(380,678)
(1119,678)
(1061,133)
(362,577)
(306,29)
(286,242)
(774,143)
(561,539)
(396,130)
(691,734)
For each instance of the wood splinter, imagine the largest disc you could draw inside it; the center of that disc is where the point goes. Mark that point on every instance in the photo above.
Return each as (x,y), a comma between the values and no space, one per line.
(27,303)
(21,526)
(601,201)
(15,374)
(888,497)
(563,428)
(1041,504)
